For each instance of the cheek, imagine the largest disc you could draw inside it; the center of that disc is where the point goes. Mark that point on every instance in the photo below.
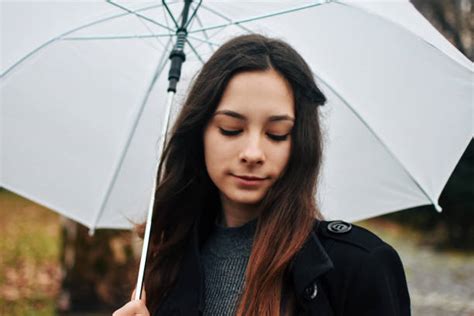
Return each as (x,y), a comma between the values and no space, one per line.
(216,152)
(280,156)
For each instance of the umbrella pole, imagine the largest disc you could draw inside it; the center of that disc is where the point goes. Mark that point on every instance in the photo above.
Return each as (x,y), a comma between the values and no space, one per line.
(177,58)
(146,236)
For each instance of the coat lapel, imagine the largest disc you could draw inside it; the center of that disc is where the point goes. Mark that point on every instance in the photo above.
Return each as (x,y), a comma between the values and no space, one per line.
(311,262)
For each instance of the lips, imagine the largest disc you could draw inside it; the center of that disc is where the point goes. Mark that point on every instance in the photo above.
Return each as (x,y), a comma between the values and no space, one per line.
(250,178)
(248,181)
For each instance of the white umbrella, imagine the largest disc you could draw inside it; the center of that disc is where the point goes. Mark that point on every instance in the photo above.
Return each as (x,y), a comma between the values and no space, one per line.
(83,90)
(83,100)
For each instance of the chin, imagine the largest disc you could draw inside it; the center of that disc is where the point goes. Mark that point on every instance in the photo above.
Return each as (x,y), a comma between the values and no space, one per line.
(246,198)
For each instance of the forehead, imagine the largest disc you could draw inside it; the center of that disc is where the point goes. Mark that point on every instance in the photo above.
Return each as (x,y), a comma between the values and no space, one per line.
(258,95)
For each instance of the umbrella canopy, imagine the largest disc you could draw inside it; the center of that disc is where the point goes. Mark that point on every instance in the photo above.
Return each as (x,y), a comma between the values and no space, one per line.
(83,92)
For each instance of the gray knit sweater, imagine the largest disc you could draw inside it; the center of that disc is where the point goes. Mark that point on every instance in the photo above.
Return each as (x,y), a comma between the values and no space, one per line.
(224,256)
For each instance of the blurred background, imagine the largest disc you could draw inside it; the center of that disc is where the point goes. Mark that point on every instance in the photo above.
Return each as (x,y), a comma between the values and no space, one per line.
(49,265)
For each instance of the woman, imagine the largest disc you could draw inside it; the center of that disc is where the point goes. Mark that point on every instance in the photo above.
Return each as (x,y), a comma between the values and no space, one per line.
(236,229)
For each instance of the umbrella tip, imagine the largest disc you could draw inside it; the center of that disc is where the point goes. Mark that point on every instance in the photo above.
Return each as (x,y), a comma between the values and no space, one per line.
(91,231)
(438,208)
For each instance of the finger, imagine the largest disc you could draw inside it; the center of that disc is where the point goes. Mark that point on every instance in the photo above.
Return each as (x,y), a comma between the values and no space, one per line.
(133,308)
(143,296)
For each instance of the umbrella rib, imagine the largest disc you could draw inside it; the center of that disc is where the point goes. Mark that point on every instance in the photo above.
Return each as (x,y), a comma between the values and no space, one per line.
(151,32)
(170,14)
(166,20)
(194,51)
(198,19)
(219,30)
(203,41)
(118,166)
(193,15)
(139,15)
(189,25)
(224,17)
(214,34)
(371,130)
(34,51)
(260,17)
(114,37)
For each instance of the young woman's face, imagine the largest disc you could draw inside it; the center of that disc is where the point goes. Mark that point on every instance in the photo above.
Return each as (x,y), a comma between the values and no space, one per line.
(249,135)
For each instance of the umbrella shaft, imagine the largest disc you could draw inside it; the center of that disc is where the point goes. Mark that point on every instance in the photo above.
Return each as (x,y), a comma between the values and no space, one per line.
(146,236)
(178,56)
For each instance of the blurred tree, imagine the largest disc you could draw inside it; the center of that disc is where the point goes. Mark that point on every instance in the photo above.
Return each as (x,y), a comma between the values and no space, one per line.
(453,18)
(98,271)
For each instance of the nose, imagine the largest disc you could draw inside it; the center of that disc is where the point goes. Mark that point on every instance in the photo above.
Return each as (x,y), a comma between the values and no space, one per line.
(252,152)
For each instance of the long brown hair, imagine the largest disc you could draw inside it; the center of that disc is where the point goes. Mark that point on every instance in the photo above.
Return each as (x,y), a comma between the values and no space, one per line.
(186,192)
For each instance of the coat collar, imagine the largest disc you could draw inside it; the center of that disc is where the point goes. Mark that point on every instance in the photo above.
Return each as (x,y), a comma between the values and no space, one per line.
(309,263)
(188,295)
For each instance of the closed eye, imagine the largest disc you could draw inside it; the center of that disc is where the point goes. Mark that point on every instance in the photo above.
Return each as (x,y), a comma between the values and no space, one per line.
(278,138)
(274,137)
(229,132)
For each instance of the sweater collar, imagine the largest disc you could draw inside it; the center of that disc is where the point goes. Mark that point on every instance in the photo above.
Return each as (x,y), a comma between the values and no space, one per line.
(311,262)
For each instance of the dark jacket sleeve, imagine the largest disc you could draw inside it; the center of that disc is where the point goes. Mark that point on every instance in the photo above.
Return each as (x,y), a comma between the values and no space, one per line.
(379,285)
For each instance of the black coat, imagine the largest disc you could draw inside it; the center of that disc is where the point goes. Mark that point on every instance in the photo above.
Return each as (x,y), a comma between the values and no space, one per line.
(342,270)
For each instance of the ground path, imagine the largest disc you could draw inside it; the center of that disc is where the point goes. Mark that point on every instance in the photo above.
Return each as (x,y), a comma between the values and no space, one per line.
(441,283)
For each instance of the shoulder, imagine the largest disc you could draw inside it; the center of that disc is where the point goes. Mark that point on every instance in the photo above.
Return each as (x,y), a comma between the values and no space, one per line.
(348,245)
(357,253)
(343,234)
(367,269)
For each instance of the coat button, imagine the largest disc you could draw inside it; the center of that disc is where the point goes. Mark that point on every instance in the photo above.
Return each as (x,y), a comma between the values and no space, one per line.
(339,227)
(310,292)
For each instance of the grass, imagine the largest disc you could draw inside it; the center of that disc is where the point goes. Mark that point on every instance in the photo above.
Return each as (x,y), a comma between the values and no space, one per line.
(29,257)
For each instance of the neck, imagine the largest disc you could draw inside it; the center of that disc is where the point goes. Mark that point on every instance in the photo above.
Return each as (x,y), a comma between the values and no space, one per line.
(237,214)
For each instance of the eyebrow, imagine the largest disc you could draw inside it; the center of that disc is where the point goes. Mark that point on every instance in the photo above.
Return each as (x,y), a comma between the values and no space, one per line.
(241,117)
